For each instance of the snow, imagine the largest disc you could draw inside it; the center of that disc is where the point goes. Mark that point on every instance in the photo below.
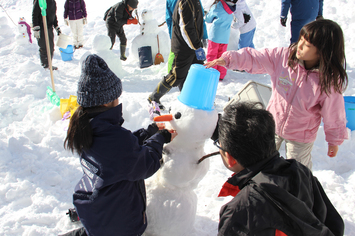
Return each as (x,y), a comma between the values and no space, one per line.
(38,175)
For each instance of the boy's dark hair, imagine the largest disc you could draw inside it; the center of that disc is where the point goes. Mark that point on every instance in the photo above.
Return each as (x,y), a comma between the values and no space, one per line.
(327,37)
(247,132)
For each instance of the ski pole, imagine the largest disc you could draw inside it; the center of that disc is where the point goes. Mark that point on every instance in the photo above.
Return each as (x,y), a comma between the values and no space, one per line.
(8,15)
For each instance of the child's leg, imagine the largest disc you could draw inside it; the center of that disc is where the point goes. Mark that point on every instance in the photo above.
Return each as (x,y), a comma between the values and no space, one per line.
(246,39)
(73,28)
(222,70)
(278,141)
(299,151)
(212,51)
(79,28)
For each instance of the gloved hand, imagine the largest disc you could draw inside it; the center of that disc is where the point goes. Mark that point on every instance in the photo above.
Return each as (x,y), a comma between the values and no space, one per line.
(66,21)
(58,30)
(36,32)
(320,17)
(85,21)
(246,18)
(204,43)
(132,21)
(283,21)
(200,54)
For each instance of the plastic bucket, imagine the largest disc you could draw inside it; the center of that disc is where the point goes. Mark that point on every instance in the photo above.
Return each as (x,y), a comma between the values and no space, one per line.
(63,41)
(350,111)
(200,87)
(67,54)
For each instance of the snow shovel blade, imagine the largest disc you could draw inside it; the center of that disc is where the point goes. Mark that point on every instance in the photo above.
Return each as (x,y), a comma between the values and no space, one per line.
(52,96)
(158,59)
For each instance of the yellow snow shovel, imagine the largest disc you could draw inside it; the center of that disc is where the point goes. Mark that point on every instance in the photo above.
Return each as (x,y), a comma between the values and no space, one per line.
(51,95)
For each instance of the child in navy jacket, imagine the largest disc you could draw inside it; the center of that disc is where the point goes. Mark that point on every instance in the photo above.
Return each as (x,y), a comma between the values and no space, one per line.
(110,198)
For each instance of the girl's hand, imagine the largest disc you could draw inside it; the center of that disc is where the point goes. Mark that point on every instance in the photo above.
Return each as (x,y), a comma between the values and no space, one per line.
(217,62)
(332,150)
(173,133)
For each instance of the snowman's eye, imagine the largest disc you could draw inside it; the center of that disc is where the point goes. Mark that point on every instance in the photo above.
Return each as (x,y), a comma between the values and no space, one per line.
(177,115)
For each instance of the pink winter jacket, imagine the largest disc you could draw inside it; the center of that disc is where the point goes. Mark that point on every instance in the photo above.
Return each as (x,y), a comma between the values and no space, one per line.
(296,103)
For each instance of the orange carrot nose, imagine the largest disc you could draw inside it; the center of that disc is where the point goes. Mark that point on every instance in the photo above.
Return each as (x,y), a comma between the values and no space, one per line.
(163,118)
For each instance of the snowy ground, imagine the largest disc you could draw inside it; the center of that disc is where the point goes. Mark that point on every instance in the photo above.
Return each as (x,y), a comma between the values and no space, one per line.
(38,176)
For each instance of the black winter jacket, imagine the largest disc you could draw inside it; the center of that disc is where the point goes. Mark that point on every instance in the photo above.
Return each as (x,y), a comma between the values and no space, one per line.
(278,195)
(187,26)
(51,14)
(118,15)
(110,198)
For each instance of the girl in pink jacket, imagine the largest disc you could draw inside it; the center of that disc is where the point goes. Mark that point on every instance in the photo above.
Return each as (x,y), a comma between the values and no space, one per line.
(308,79)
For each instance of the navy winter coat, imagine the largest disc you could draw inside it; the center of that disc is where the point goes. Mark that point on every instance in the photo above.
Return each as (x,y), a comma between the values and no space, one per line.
(110,198)
(74,9)
(302,9)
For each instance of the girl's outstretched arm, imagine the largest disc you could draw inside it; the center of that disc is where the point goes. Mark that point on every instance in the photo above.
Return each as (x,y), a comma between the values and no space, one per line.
(332,150)
(217,62)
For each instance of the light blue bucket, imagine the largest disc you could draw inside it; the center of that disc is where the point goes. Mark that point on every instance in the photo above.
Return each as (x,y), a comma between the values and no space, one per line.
(67,53)
(200,87)
(350,111)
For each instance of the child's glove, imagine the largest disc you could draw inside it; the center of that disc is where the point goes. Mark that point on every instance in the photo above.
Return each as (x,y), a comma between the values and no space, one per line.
(246,18)
(36,32)
(283,21)
(154,110)
(85,21)
(66,21)
(132,21)
(200,54)
(58,30)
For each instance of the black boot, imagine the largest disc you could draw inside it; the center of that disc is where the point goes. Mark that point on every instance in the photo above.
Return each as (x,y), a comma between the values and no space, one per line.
(161,89)
(123,52)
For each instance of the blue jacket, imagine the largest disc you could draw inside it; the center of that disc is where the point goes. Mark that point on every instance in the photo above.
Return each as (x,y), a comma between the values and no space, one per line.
(110,197)
(221,18)
(170,6)
(302,9)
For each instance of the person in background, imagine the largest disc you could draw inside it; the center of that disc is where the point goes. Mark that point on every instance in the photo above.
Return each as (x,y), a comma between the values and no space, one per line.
(272,196)
(221,16)
(186,44)
(302,12)
(75,15)
(38,29)
(116,17)
(110,198)
(244,21)
(308,79)
(170,6)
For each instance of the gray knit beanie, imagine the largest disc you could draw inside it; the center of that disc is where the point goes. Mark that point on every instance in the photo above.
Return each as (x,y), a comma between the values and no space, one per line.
(132,3)
(98,85)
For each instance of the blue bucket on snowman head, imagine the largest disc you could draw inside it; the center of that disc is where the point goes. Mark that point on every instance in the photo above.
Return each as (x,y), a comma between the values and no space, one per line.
(200,87)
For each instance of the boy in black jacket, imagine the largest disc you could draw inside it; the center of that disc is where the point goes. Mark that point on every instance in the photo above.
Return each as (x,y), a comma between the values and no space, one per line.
(272,196)
(52,22)
(117,16)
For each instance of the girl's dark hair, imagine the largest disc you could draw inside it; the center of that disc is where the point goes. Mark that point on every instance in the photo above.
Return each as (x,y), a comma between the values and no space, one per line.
(327,37)
(79,134)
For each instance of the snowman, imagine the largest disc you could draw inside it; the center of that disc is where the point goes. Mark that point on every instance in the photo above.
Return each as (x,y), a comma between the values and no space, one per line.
(24,32)
(6,32)
(150,34)
(101,47)
(171,200)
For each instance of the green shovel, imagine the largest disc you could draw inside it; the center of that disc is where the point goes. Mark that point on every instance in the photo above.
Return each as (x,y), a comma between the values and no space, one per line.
(51,95)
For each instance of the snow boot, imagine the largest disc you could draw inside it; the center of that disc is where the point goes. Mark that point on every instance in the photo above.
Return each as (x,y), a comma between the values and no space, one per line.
(161,89)
(123,52)
(73,215)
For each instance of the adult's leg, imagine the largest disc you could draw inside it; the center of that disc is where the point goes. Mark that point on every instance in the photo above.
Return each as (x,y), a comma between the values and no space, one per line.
(43,47)
(111,33)
(296,26)
(123,43)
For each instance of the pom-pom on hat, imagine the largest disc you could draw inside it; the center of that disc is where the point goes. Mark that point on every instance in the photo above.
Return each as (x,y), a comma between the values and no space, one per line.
(132,3)
(98,85)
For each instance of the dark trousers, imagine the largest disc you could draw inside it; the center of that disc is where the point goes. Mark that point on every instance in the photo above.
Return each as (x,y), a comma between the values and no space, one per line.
(180,67)
(112,31)
(42,46)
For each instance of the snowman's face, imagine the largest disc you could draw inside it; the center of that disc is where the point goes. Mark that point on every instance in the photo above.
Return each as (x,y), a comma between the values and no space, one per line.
(192,125)
(22,28)
(147,15)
